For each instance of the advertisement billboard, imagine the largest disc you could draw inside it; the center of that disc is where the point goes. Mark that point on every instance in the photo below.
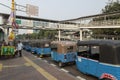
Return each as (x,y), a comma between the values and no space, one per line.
(32,10)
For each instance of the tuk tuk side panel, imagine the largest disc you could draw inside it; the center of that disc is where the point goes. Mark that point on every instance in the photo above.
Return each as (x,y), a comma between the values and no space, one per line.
(54,56)
(58,57)
(118,72)
(71,57)
(109,69)
(97,69)
(68,57)
(34,50)
(92,66)
(82,64)
(39,50)
(24,47)
(28,48)
(64,58)
(46,50)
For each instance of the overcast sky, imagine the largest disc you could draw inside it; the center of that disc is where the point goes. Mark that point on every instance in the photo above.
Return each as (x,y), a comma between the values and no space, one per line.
(60,9)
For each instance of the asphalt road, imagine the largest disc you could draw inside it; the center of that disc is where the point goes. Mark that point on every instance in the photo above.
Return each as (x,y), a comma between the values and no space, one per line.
(31,67)
(71,69)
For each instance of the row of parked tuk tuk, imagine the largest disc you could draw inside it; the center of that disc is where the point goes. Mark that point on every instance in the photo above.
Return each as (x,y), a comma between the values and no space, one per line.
(100,58)
(61,52)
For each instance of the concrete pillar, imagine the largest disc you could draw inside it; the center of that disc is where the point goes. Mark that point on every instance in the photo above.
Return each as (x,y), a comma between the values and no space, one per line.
(104,38)
(113,38)
(7,31)
(80,34)
(59,35)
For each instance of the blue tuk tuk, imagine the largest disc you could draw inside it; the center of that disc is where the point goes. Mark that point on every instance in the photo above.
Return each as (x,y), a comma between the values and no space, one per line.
(43,48)
(63,52)
(100,58)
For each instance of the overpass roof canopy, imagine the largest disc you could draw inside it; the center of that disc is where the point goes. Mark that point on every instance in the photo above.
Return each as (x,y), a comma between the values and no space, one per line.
(30,18)
(94,16)
(36,19)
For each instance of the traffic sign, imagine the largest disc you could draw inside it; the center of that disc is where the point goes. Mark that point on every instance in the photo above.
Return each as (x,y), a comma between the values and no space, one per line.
(18,21)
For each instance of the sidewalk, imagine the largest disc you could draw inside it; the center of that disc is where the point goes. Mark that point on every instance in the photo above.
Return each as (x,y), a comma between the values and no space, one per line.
(29,67)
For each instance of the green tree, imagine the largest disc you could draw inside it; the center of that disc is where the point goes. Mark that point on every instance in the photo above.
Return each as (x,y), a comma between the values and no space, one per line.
(48,34)
(109,8)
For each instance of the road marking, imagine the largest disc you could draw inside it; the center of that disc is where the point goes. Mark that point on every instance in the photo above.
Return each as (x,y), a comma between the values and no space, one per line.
(27,64)
(53,64)
(35,56)
(80,78)
(1,67)
(39,58)
(10,66)
(40,70)
(64,70)
(45,61)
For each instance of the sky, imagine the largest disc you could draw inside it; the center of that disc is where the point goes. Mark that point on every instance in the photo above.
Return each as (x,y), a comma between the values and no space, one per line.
(59,9)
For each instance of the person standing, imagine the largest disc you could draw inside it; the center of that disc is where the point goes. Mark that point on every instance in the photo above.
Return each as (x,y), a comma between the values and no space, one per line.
(19,48)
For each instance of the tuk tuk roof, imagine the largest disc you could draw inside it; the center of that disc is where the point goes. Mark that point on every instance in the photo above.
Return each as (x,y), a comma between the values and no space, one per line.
(64,43)
(98,42)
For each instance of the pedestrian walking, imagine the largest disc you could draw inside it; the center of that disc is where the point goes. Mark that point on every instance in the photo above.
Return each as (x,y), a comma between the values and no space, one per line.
(19,48)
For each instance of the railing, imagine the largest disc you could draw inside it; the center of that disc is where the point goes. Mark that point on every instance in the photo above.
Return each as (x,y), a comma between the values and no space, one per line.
(115,22)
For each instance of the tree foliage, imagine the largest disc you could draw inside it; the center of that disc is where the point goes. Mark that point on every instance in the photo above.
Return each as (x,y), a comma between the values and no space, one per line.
(109,8)
(40,35)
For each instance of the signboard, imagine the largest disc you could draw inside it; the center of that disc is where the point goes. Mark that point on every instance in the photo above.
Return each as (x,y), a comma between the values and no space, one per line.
(28,23)
(40,24)
(32,10)
(18,21)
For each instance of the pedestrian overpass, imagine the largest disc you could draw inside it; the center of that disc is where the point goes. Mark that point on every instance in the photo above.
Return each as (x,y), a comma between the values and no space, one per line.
(77,24)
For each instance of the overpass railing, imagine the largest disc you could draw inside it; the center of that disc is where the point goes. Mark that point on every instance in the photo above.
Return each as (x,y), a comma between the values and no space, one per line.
(115,22)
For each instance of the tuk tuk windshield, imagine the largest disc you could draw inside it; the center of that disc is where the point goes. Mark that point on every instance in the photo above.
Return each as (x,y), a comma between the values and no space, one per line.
(89,52)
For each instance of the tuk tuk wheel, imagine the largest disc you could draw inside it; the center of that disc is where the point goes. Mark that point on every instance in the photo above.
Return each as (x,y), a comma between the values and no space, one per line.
(60,64)
(41,56)
(38,55)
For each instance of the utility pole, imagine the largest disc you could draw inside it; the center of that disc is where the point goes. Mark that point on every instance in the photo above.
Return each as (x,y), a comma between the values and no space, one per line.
(11,36)
(13,11)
